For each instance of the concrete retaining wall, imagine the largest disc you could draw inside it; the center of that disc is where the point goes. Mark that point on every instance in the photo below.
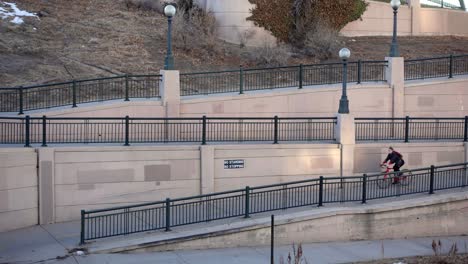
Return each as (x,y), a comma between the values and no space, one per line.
(367,157)
(75,178)
(439,98)
(443,215)
(18,188)
(424,98)
(376,21)
(99,177)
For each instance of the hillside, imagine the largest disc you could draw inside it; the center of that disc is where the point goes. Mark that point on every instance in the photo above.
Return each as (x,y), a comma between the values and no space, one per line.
(89,38)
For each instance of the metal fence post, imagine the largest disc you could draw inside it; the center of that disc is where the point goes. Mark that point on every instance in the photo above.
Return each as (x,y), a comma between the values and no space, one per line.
(27,128)
(272,249)
(431,180)
(44,131)
(168,215)
(275,133)
(320,200)
(204,130)
(21,101)
(465,134)
(364,188)
(74,93)
(82,237)
(126,88)
(451,66)
(407,123)
(359,76)
(247,202)
(241,80)
(127,131)
(301,72)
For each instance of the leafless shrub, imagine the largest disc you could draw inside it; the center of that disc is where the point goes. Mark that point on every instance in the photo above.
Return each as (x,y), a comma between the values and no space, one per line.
(297,256)
(148,5)
(244,36)
(322,42)
(195,29)
(269,55)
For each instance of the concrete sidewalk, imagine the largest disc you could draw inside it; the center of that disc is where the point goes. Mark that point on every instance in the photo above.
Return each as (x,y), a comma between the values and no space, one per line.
(56,244)
(37,245)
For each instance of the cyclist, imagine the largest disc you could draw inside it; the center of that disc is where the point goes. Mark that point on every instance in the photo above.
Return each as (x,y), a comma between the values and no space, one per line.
(396,159)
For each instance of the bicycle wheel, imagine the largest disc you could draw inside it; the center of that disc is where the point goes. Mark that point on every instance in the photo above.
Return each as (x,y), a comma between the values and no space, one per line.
(383,181)
(405,177)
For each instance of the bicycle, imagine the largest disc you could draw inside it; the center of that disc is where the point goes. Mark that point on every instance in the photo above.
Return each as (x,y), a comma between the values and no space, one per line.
(386,179)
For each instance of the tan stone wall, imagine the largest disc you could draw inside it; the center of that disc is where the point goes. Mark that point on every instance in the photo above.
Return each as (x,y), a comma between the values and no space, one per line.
(439,98)
(232,24)
(378,20)
(99,177)
(137,108)
(271,164)
(18,188)
(320,101)
(436,21)
(75,178)
(367,157)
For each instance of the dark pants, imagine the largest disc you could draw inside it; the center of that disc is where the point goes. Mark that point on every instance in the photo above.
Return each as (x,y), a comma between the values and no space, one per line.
(396,168)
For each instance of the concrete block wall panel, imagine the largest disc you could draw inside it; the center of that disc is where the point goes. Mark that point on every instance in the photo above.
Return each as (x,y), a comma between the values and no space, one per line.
(99,177)
(367,157)
(365,100)
(271,164)
(147,108)
(378,20)
(435,21)
(232,22)
(18,188)
(441,98)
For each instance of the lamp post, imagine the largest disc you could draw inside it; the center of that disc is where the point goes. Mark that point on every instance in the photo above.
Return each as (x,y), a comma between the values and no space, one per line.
(344,103)
(169,11)
(394,51)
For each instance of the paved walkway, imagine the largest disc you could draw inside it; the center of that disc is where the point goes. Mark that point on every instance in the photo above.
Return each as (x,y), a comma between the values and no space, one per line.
(55,244)
(44,245)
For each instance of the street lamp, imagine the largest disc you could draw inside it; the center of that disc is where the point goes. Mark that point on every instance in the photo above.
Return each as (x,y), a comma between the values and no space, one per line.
(394,52)
(344,103)
(169,11)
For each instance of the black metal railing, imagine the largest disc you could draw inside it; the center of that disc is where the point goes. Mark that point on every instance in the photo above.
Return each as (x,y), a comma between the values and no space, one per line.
(449,66)
(61,130)
(242,80)
(171,213)
(410,129)
(80,91)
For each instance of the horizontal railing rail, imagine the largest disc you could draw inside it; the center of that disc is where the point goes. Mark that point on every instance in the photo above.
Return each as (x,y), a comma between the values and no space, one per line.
(448,66)
(164,215)
(79,91)
(241,80)
(63,130)
(411,129)
(72,93)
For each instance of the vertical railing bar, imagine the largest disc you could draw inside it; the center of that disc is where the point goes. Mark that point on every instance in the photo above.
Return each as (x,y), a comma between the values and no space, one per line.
(44,131)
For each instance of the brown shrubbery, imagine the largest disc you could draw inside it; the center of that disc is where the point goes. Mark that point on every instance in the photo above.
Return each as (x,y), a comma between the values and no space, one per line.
(309,25)
(195,29)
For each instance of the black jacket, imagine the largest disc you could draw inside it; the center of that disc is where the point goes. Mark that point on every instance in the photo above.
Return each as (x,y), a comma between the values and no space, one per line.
(393,157)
